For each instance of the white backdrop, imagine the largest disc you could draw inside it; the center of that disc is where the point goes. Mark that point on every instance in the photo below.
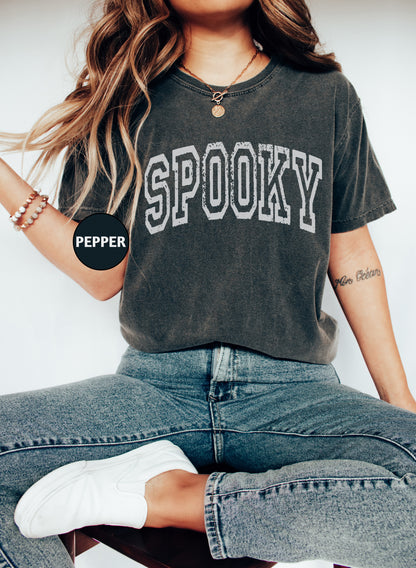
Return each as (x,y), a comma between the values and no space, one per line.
(52,332)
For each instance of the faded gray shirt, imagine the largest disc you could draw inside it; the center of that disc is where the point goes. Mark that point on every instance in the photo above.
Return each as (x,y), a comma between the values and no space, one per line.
(231,241)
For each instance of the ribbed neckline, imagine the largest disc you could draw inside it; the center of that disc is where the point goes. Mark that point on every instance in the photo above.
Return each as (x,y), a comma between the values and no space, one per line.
(253,83)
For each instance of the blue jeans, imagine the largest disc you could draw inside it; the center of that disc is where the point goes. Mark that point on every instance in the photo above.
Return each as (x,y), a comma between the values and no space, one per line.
(322,471)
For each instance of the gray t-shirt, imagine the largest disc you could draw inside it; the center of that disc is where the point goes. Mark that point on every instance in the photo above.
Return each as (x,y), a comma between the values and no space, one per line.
(231,240)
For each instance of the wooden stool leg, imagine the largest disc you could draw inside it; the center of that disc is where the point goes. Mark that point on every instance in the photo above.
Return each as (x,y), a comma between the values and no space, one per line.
(77,542)
(69,541)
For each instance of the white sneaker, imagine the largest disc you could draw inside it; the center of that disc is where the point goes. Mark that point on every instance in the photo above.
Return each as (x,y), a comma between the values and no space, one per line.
(108,491)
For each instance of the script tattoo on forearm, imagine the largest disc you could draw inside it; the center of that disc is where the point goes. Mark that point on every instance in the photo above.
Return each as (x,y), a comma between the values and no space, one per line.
(367,274)
(360,276)
(343,281)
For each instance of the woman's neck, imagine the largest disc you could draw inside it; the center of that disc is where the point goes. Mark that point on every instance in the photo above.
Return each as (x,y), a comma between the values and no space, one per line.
(218,54)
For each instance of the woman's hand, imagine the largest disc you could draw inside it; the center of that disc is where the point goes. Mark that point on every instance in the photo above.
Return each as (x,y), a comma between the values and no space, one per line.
(405,400)
(52,235)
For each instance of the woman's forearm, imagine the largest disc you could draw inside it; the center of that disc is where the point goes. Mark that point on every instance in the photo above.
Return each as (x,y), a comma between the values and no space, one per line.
(52,235)
(357,278)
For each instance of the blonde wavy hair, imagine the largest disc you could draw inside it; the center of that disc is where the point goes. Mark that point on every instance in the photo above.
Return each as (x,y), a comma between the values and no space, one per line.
(131,44)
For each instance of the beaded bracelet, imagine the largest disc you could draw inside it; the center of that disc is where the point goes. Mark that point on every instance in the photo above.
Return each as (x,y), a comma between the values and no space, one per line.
(15,218)
(34,215)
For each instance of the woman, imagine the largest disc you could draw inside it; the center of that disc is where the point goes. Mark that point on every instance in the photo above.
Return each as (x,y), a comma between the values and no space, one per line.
(240,187)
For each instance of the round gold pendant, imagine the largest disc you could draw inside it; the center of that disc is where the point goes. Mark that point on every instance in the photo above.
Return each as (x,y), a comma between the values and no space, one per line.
(218,111)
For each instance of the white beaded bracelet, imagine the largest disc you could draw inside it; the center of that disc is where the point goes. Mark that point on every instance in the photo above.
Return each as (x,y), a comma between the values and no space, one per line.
(34,215)
(15,218)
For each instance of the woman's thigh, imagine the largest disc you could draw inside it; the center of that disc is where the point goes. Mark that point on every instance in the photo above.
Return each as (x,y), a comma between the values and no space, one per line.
(96,418)
(267,425)
(148,398)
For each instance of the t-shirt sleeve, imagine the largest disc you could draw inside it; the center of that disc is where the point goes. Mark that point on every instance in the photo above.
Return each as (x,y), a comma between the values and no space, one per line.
(74,175)
(360,191)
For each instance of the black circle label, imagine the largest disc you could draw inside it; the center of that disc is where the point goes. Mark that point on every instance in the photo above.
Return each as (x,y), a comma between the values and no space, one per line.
(101,241)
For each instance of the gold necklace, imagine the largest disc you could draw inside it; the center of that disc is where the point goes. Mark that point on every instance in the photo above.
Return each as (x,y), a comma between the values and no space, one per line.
(218,110)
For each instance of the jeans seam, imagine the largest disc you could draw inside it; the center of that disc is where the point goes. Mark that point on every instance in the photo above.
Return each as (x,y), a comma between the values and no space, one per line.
(95,444)
(217,362)
(232,430)
(216,431)
(235,365)
(6,559)
(293,482)
(214,525)
(351,435)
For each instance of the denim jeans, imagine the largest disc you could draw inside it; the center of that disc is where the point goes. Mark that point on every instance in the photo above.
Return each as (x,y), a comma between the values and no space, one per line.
(321,470)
